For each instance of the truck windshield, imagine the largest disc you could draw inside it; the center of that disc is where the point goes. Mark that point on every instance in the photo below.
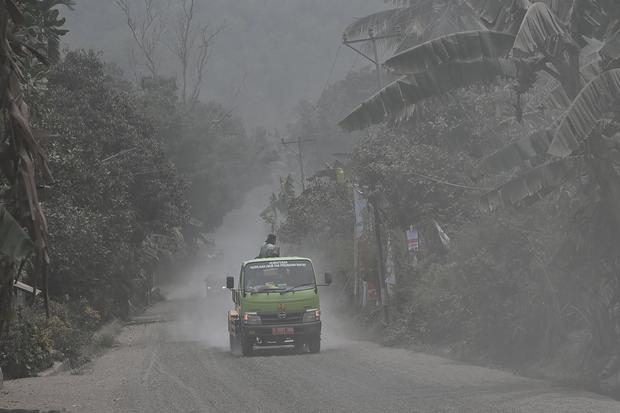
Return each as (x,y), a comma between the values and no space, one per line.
(279,276)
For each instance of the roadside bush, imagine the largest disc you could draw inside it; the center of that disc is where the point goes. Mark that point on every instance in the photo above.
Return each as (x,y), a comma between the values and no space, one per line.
(488,298)
(65,337)
(26,349)
(84,316)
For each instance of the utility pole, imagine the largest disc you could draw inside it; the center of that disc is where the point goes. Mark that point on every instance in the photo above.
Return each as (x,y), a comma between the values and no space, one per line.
(300,153)
(381,265)
(381,285)
(373,39)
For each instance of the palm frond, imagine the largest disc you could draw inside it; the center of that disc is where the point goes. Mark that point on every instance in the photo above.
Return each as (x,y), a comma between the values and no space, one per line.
(596,99)
(534,184)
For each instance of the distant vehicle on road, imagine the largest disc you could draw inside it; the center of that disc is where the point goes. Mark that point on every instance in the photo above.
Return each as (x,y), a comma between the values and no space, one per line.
(276,303)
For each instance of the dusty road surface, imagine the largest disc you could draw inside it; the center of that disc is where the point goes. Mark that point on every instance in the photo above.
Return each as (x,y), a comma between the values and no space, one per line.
(175,359)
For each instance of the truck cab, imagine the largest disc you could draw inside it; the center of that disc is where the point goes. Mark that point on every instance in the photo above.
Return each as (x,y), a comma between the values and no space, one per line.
(276,303)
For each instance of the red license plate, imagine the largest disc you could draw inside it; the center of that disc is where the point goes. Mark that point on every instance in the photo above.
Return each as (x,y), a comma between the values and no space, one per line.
(281,331)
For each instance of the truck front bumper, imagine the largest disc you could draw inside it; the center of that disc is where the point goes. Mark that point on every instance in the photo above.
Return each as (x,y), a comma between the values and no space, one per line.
(282,331)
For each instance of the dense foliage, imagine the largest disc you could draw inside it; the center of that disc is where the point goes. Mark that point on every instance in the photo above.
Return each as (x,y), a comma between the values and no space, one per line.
(464,132)
(115,186)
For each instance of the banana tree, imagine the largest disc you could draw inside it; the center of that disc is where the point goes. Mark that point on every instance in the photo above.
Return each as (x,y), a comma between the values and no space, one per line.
(543,42)
(413,22)
(29,38)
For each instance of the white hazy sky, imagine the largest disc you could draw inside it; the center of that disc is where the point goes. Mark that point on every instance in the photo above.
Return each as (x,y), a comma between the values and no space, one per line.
(271,53)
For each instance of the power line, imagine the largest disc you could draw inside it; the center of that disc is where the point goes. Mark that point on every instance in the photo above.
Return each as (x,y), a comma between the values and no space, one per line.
(448,183)
(331,72)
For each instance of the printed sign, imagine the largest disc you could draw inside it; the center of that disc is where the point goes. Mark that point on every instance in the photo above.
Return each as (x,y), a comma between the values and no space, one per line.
(278,264)
(413,240)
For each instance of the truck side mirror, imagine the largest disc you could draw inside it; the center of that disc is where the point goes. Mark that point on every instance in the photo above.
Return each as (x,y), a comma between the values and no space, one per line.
(230,283)
(328,278)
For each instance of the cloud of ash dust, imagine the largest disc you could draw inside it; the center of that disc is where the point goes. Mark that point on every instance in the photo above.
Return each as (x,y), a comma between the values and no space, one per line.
(204,301)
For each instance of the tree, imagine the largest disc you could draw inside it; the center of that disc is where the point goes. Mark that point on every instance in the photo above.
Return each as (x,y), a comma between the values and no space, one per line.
(189,42)
(556,46)
(119,203)
(147,28)
(29,37)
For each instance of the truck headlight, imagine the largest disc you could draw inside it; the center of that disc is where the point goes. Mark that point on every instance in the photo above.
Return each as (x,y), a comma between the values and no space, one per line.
(312,315)
(251,319)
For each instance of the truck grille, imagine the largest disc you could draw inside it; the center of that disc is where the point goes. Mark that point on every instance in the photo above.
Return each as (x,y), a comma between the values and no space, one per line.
(284,318)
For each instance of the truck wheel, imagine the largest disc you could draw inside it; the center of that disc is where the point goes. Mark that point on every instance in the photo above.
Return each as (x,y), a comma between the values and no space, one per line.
(247,347)
(234,344)
(314,344)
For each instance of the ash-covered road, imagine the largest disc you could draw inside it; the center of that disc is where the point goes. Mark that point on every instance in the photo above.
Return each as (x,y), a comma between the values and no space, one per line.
(180,363)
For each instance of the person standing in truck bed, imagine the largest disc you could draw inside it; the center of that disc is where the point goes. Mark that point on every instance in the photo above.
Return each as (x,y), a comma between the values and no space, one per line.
(269,249)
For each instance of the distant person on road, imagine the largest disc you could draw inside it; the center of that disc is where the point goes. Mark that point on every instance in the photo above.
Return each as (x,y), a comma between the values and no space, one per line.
(269,249)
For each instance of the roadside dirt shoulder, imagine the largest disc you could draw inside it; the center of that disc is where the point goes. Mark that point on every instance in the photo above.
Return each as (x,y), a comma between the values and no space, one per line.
(97,387)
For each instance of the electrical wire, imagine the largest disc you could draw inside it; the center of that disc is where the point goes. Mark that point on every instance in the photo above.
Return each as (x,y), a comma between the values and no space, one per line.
(444,182)
(331,72)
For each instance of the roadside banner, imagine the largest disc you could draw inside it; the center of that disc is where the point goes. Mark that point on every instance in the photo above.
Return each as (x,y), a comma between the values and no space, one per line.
(373,294)
(390,270)
(445,239)
(413,240)
(361,204)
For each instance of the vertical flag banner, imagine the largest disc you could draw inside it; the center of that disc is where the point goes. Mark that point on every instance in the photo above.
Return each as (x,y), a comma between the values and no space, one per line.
(360,204)
(390,270)
(413,240)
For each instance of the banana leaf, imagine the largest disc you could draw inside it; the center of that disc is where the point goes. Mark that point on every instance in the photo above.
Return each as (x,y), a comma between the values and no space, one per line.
(14,241)
(400,95)
(558,99)
(416,21)
(457,47)
(496,14)
(534,184)
(611,49)
(589,107)
(384,22)
(377,109)
(516,153)
(540,30)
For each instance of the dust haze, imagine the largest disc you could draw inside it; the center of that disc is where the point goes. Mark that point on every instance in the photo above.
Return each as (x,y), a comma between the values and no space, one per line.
(205,301)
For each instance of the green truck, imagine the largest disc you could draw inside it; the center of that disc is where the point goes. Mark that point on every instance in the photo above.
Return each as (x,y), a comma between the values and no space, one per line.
(276,303)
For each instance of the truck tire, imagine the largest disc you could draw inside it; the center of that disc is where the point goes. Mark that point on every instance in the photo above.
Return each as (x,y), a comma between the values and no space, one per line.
(299,346)
(234,344)
(247,347)
(314,344)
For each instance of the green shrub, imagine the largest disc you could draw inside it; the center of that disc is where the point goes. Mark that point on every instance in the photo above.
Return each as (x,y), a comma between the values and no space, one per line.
(65,337)
(26,349)
(84,316)
(488,299)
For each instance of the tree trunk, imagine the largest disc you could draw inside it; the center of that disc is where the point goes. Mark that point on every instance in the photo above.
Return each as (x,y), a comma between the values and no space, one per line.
(7,278)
